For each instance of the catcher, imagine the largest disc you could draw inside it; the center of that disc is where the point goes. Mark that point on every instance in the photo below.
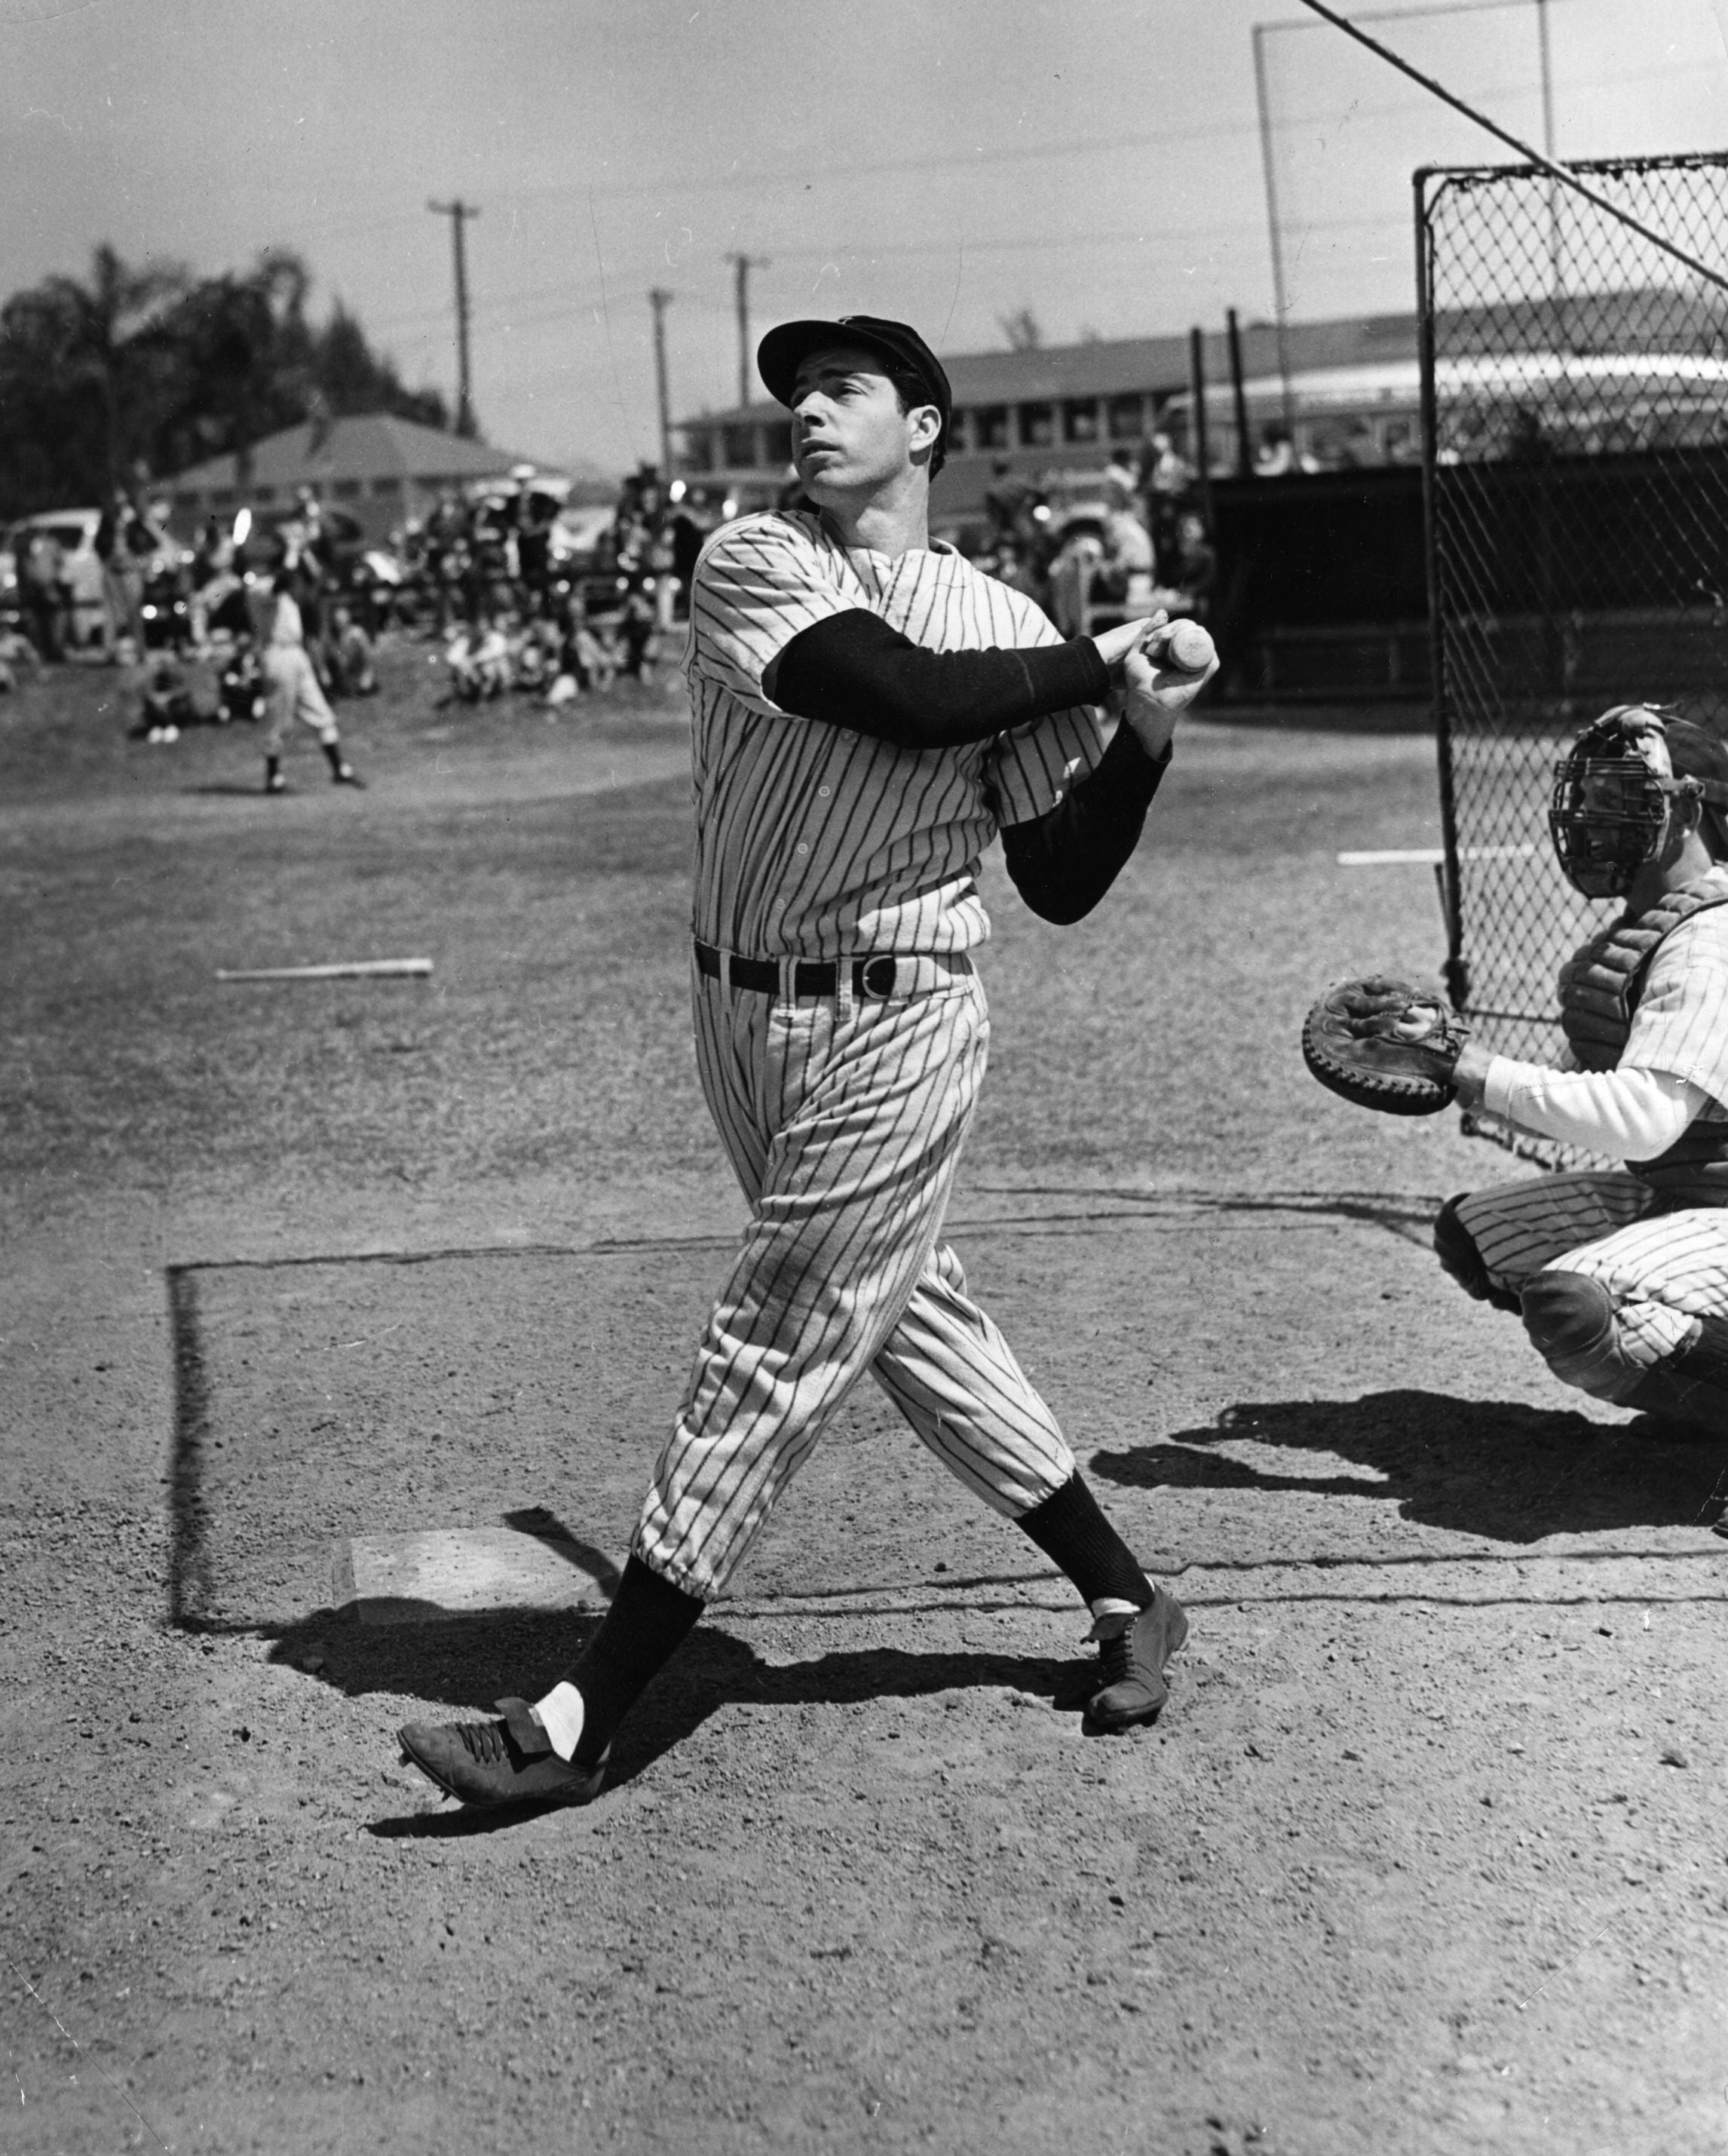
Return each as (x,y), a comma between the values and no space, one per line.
(1621,1277)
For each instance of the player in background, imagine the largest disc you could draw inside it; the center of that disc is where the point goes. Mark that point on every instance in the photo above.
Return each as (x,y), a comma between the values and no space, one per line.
(290,687)
(1621,1277)
(869,710)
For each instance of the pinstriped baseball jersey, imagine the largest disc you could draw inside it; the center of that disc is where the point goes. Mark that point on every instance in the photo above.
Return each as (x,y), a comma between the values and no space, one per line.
(844,1114)
(1681,1022)
(813,841)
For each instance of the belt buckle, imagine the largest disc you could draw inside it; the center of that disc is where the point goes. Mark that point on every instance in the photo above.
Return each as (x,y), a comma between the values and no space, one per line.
(876,977)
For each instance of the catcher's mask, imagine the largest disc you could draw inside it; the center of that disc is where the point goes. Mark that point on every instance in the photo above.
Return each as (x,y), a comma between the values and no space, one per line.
(1615,789)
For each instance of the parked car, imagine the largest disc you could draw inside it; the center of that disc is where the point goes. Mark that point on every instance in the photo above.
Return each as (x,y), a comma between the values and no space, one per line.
(75,529)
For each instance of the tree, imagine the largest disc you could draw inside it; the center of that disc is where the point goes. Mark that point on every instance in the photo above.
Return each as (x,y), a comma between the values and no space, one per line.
(75,369)
(1022,329)
(142,372)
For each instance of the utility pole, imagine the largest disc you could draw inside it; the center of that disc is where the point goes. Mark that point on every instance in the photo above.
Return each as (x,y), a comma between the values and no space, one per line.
(742,264)
(459,212)
(659,298)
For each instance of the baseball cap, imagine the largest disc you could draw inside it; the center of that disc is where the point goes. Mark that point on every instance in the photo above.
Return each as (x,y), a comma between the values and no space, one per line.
(782,349)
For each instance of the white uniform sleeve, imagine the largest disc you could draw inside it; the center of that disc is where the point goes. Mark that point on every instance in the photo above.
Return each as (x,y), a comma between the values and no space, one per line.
(758,582)
(1629,1115)
(1681,1023)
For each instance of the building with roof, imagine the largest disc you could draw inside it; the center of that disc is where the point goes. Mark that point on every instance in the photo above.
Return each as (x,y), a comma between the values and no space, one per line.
(1346,389)
(382,468)
(1058,414)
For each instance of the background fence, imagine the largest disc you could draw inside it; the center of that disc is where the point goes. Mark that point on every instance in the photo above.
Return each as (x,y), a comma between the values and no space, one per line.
(1574,380)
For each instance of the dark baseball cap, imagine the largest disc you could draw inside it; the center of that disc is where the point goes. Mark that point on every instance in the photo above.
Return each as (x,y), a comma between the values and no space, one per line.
(783,350)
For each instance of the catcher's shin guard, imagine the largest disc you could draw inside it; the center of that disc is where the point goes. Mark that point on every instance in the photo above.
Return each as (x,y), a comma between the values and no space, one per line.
(1461,1257)
(1570,1321)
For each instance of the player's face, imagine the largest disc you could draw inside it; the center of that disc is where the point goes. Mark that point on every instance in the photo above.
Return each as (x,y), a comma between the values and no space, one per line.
(849,434)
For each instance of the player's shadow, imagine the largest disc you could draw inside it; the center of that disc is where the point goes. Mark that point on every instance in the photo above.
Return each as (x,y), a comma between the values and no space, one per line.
(459,1666)
(1493,1468)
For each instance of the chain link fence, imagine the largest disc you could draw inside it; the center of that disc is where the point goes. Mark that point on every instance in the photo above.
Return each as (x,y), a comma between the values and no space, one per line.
(1574,381)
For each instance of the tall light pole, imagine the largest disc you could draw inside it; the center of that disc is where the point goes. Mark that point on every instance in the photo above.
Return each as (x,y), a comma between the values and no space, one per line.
(659,298)
(459,212)
(1280,297)
(742,264)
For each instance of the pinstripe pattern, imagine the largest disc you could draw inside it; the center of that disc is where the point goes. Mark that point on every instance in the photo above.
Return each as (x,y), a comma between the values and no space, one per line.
(1664,1266)
(843,1120)
(843,1117)
(1662,1269)
(818,843)
(1681,1022)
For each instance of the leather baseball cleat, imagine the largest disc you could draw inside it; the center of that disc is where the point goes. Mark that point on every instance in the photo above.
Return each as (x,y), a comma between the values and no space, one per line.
(1131,1663)
(508,1761)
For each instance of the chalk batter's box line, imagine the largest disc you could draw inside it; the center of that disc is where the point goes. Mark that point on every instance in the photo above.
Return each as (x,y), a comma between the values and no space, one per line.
(189,1567)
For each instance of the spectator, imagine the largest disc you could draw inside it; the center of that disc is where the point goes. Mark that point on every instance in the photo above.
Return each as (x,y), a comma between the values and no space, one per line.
(1194,566)
(18,655)
(636,626)
(211,577)
(42,588)
(124,558)
(478,657)
(353,668)
(1009,501)
(1126,549)
(1278,456)
(1166,487)
(165,702)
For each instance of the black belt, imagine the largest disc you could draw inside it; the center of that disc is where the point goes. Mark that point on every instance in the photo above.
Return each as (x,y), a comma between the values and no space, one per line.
(811,976)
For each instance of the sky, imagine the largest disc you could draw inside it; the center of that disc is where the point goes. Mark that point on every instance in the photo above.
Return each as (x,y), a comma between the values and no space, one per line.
(947,163)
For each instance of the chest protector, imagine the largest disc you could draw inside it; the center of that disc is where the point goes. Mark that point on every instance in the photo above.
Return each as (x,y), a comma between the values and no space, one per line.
(1599,988)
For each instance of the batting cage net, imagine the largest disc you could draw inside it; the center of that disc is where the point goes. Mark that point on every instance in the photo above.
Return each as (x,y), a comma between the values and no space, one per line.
(1575,385)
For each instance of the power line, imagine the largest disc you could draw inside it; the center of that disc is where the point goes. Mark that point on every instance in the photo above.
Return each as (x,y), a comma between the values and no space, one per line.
(1563,173)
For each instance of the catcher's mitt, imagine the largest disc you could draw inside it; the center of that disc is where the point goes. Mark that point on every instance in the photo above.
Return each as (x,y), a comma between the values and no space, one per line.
(1384,1045)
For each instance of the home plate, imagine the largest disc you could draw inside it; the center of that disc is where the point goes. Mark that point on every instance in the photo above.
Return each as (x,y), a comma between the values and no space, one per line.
(455,1572)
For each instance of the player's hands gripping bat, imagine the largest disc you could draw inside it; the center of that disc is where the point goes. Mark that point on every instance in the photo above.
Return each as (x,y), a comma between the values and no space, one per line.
(1385,1045)
(1161,677)
(1184,647)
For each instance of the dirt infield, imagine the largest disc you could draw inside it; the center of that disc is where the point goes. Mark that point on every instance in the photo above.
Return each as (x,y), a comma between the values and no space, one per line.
(1426,1856)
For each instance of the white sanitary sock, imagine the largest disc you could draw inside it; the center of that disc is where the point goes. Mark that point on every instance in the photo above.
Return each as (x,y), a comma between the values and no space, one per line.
(559,1714)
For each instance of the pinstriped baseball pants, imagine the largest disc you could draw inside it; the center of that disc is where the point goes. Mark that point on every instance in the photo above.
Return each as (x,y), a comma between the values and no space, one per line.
(844,1118)
(1663,1270)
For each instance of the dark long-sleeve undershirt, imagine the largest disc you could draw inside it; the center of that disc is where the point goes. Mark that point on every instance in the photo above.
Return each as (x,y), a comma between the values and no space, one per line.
(1063,863)
(855,670)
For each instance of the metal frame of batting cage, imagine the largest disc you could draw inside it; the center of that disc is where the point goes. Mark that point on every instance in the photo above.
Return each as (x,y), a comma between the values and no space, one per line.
(1574,380)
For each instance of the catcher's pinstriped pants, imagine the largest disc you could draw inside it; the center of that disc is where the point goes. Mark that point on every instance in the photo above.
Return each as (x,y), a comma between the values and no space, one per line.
(843,1117)
(1663,1270)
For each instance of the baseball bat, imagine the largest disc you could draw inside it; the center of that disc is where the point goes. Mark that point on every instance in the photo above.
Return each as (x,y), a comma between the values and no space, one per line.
(354,969)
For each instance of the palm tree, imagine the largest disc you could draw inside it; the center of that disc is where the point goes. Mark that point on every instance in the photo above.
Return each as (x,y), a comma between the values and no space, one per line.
(102,332)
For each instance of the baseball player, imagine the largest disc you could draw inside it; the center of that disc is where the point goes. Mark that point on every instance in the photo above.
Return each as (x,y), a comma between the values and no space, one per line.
(868,712)
(291,689)
(1622,1278)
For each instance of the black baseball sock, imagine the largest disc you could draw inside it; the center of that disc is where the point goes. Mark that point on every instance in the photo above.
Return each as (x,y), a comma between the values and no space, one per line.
(333,755)
(272,769)
(638,1636)
(1707,1357)
(1071,1531)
